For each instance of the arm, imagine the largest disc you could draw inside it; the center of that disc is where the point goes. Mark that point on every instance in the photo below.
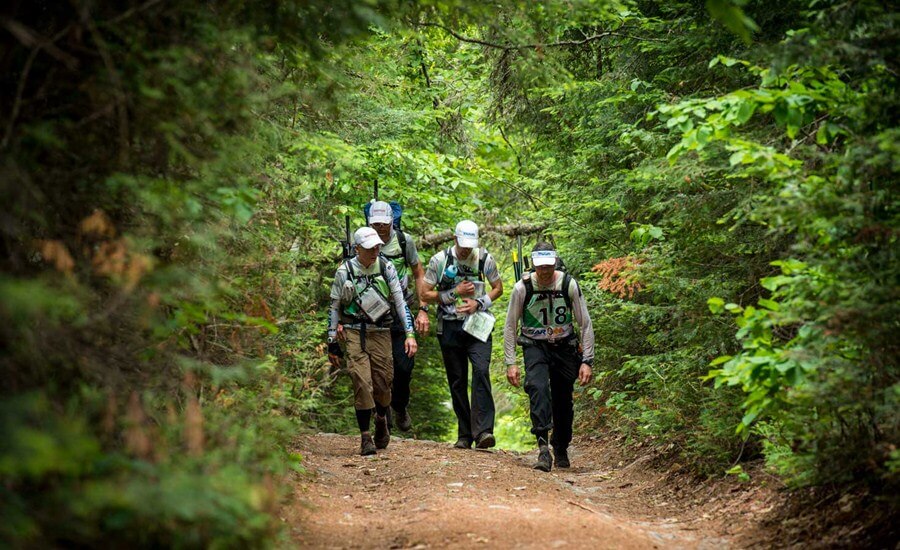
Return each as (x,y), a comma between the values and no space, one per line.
(427,292)
(583,318)
(334,349)
(513,314)
(421,323)
(401,308)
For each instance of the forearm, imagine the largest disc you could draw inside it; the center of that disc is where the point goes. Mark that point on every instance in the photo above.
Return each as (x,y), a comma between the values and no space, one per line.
(419,276)
(333,317)
(587,329)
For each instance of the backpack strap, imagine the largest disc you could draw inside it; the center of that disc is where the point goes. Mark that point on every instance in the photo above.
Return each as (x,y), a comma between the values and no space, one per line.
(401,240)
(350,271)
(567,280)
(481,261)
(529,289)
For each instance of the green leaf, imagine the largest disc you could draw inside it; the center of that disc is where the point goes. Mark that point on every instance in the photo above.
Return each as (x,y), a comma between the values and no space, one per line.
(716,305)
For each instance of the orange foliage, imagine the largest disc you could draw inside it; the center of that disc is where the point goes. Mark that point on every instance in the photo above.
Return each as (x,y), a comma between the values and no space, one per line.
(57,253)
(618,276)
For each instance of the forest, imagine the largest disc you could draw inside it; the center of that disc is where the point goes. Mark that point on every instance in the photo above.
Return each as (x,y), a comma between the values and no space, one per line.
(720,176)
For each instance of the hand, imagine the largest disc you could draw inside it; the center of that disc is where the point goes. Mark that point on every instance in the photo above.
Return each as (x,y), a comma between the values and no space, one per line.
(584,374)
(422,323)
(340,333)
(334,355)
(512,375)
(411,346)
(465,288)
(467,307)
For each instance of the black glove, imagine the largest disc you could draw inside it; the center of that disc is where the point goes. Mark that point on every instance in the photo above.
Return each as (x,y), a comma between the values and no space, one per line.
(335,349)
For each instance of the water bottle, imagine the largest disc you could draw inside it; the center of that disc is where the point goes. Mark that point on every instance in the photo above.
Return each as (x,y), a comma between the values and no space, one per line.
(451,271)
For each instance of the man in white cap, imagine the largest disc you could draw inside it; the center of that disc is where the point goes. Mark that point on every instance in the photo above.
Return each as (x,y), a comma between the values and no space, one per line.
(365,290)
(546,302)
(400,249)
(455,280)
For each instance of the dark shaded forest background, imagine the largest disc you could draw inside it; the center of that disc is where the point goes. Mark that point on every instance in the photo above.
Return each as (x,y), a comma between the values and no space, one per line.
(720,175)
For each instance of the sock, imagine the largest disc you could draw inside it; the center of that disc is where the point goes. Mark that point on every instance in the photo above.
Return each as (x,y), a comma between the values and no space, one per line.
(542,439)
(362,419)
(381,410)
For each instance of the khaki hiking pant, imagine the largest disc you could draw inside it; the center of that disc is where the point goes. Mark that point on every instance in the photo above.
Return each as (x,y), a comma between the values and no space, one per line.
(372,369)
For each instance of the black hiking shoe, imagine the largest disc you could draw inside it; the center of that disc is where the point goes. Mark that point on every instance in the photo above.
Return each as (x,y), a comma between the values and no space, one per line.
(485,441)
(404,422)
(382,432)
(561,457)
(463,443)
(367,446)
(544,462)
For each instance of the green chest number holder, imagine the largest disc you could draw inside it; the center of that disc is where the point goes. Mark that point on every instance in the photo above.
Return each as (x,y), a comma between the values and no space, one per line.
(547,316)
(371,304)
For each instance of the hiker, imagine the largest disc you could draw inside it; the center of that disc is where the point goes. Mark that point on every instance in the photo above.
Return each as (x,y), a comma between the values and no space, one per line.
(400,249)
(364,290)
(455,280)
(546,301)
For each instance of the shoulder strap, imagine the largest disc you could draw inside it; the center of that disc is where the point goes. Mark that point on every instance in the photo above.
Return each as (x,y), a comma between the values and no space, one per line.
(382,265)
(350,270)
(529,289)
(401,240)
(481,261)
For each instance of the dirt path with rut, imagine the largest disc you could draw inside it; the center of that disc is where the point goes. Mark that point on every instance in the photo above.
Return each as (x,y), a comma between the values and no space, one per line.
(423,494)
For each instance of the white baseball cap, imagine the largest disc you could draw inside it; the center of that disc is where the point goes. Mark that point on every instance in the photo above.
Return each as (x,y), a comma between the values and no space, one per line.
(543,257)
(381,212)
(467,234)
(367,237)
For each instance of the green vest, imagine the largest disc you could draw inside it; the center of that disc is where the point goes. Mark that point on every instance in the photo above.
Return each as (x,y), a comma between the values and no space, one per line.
(547,313)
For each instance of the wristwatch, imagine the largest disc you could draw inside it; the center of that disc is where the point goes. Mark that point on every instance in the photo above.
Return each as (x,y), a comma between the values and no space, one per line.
(588,362)
(331,340)
(424,308)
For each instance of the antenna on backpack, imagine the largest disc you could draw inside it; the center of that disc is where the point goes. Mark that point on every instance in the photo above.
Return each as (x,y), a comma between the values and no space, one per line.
(347,250)
(517,258)
(375,194)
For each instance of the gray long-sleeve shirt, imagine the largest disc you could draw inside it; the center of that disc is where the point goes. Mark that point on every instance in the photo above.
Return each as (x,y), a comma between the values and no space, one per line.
(514,315)
(342,292)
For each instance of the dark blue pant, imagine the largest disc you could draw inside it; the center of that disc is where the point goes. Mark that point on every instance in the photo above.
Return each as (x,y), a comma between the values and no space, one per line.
(403,367)
(550,374)
(458,349)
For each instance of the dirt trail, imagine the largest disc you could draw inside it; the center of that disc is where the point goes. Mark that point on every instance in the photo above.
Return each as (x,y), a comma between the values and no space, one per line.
(423,494)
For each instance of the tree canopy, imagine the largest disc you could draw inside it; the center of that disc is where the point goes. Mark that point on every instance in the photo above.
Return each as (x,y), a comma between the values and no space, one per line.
(721,176)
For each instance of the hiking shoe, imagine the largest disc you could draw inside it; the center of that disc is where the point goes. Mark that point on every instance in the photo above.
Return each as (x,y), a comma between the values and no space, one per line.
(485,441)
(404,422)
(544,462)
(561,457)
(367,446)
(382,432)
(463,443)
